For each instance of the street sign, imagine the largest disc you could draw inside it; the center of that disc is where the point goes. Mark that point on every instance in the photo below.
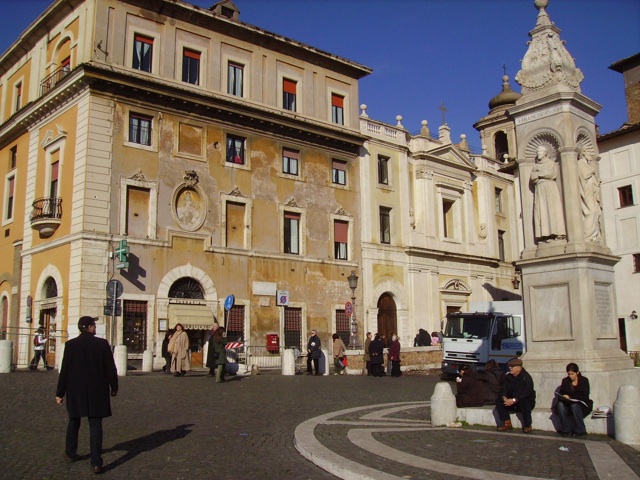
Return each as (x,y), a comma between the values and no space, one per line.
(348,309)
(114,288)
(282,298)
(108,308)
(122,254)
(122,265)
(229,302)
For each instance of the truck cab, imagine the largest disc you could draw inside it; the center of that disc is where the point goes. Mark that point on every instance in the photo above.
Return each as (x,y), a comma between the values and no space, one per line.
(475,338)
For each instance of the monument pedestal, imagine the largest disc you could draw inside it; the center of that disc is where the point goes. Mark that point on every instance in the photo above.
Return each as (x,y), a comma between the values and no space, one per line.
(569,310)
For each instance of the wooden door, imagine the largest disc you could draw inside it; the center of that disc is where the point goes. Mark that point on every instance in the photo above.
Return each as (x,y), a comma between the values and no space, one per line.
(387,318)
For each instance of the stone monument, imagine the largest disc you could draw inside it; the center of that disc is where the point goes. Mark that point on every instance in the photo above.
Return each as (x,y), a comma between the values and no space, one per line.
(567,269)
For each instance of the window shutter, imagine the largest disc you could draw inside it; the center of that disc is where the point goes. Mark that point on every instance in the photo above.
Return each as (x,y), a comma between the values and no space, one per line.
(289,86)
(192,54)
(337,100)
(341,231)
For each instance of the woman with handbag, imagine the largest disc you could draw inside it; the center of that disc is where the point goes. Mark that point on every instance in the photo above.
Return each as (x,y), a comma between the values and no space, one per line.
(338,355)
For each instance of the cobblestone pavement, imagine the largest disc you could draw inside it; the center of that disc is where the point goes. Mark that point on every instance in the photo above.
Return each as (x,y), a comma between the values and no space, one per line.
(165,427)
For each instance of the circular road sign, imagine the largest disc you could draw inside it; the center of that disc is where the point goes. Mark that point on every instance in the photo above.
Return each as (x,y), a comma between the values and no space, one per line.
(348,309)
(114,288)
(228,302)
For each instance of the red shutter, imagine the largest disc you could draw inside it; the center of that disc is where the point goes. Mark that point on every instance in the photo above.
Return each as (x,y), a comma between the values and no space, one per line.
(341,231)
(295,216)
(12,182)
(289,86)
(54,171)
(147,40)
(290,153)
(337,100)
(192,54)
(338,165)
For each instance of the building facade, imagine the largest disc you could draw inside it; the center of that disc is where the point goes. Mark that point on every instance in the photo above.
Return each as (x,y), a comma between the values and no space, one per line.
(225,156)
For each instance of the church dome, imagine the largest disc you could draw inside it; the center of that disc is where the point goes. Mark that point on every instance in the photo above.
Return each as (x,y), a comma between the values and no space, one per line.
(506,96)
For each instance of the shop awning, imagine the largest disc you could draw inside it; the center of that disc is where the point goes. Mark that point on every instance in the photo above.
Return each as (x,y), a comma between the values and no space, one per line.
(192,317)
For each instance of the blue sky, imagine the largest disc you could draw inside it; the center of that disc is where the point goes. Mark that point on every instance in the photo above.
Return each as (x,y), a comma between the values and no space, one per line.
(423,52)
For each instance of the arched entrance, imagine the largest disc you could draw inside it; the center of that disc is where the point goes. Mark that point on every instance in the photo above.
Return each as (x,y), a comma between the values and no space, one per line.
(387,316)
(47,317)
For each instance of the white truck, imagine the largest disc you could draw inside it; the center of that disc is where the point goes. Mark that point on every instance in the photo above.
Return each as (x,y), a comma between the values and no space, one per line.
(493,330)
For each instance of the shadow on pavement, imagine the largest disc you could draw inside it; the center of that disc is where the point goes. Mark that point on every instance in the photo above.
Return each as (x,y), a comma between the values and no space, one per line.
(147,443)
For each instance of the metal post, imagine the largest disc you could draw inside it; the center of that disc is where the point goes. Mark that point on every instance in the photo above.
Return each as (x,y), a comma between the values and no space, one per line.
(354,343)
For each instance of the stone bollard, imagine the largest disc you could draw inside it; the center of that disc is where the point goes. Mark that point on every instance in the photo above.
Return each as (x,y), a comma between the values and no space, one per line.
(626,415)
(120,355)
(443,405)
(288,362)
(147,361)
(324,361)
(6,354)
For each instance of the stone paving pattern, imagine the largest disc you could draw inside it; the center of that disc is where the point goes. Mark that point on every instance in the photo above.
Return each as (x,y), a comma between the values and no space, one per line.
(165,427)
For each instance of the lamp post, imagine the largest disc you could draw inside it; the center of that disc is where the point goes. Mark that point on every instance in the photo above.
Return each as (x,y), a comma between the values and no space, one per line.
(354,344)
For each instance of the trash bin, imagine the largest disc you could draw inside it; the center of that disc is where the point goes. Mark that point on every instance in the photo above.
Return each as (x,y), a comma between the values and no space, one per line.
(273,343)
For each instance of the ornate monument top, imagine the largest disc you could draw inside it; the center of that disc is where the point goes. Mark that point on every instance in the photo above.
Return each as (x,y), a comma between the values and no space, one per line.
(547,62)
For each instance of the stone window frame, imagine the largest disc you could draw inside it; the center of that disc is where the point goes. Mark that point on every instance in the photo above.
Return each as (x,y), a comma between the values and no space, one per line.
(248,203)
(138,181)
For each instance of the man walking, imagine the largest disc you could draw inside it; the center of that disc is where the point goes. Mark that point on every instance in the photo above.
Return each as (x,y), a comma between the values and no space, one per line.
(39,350)
(87,372)
(313,353)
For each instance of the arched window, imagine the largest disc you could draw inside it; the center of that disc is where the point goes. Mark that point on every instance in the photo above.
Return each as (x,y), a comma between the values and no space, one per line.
(501,145)
(186,287)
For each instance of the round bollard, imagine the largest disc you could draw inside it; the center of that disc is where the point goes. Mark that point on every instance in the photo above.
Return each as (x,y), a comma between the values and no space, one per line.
(6,354)
(147,361)
(443,405)
(120,355)
(288,362)
(626,415)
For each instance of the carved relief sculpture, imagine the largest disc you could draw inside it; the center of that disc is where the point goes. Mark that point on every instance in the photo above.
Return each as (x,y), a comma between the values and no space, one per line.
(548,219)
(189,209)
(590,196)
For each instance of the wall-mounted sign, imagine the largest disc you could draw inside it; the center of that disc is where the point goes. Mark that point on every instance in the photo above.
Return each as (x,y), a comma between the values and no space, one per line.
(282,297)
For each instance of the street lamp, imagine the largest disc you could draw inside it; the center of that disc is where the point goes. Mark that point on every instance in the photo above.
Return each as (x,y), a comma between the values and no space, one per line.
(354,344)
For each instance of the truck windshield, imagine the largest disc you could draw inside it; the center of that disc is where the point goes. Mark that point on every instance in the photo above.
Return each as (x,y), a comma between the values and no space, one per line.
(467,327)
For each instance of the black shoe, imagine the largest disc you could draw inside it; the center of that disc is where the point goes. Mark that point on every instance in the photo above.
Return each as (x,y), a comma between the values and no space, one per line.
(579,435)
(49,368)
(97,469)
(564,434)
(177,374)
(309,373)
(70,457)
(164,368)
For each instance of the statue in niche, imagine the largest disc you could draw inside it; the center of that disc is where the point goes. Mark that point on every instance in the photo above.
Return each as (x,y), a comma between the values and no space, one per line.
(548,218)
(590,196)
(188,209)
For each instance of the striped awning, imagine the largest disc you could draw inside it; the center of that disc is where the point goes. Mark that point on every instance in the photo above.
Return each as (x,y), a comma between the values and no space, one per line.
(192,317)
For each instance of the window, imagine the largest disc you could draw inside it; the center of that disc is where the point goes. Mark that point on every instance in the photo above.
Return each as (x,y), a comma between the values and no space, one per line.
(65,65)
(447,218)
(385,225)
(339,172)
(10,189)
(289,94)
(504,328)
(53,186)
(498,199)
(636,263)
(140,129)
(501,245)
(383,170)
(134,323)
(235,324)
(142,53)
(235,225)
(293,328)
(626,196)
(343,326)
(340,239)
(337,109)
(235,79)
(235,149)
(13,157)
(290,160)
(18,97)
(191,66)
(138,201)
(292,233)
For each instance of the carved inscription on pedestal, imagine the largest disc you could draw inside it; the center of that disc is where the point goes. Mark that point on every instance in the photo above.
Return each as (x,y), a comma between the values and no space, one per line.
(604,314)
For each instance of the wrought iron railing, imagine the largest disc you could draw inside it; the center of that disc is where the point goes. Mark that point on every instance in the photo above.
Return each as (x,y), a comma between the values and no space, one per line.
(47,208)
(49,82)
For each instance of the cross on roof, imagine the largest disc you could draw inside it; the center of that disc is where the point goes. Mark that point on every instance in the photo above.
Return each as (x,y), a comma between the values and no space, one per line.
(504,68)
(443,109)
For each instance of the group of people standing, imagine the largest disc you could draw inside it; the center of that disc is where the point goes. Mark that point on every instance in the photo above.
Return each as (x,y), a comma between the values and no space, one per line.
(514,392)
(374,355)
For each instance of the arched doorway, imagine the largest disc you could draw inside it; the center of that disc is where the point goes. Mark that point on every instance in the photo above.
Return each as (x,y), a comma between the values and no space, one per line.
(47,318)
(387,317)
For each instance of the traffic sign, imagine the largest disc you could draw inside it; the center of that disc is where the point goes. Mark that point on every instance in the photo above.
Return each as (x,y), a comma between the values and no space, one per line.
(229,301)
(282,298)
(108,308)
(114,288)
(348,309)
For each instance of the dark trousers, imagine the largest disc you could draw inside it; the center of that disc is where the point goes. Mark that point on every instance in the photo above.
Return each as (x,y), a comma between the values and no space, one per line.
(395,368)
(39,354)
(167,367)
(523,406)
(570,412)
(316,364)
(95,439)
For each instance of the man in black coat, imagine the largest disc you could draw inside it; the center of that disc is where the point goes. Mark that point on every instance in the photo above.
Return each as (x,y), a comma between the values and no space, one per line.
(313,353)
(518,394)
(86,374)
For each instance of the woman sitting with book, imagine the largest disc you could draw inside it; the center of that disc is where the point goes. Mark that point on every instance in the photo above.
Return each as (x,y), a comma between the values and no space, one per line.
(573,402)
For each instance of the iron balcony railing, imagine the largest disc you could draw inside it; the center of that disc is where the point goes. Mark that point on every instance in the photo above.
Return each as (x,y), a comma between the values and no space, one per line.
(47,208)
(52,80)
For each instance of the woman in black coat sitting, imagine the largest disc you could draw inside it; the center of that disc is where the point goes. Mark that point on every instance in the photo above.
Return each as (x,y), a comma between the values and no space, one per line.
(573,402)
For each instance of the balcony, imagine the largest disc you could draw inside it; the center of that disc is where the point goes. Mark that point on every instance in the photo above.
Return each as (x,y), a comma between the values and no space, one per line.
(53,79)
(46,215)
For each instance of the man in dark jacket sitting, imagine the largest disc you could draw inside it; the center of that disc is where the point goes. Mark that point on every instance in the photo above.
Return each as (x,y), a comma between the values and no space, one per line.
(470,392)
(517,394)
